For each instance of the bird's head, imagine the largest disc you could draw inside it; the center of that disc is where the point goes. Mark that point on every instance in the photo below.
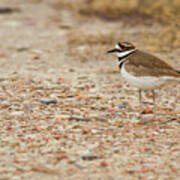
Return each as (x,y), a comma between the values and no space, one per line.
(123,49)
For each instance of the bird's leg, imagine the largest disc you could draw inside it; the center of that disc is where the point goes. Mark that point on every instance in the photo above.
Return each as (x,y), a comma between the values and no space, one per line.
(154,102)
(140,101)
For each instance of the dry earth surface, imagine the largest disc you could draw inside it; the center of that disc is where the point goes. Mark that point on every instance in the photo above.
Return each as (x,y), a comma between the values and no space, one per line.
(65,112)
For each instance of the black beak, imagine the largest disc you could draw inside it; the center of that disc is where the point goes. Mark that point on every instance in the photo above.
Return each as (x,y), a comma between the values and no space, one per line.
(113,51)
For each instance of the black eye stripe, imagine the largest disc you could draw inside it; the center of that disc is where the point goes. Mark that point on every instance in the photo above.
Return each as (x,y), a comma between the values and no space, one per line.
(114,50)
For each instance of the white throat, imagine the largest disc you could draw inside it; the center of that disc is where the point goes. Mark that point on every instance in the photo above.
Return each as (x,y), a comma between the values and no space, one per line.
(125,53)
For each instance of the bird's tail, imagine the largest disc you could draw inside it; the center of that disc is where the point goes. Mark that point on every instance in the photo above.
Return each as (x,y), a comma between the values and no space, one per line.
(179,75)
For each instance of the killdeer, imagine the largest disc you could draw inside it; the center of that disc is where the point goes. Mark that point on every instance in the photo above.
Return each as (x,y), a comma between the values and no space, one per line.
(143,70)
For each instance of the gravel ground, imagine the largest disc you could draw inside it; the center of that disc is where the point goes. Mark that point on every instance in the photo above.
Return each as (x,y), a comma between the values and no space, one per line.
(67,116)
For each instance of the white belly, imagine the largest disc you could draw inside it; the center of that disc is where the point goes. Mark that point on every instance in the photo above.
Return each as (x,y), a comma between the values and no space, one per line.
(145,82)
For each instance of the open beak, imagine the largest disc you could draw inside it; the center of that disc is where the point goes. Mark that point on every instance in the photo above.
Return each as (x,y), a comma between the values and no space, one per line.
(113,51)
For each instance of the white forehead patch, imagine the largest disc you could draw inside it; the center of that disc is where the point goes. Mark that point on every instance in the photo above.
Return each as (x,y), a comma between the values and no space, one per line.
(117,46)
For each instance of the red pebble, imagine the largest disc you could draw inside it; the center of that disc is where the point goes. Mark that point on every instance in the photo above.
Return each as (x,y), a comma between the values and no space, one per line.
(104,164)
(62,156)
(2,55)
(147,111)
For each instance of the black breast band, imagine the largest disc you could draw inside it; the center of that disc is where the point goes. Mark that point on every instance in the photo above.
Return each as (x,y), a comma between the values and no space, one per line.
(121,58)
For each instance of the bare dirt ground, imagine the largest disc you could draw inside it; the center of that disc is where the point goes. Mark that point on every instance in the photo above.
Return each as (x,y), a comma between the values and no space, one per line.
(90,130)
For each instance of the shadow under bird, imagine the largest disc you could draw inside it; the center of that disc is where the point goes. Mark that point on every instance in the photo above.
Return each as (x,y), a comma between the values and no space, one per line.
(143,70)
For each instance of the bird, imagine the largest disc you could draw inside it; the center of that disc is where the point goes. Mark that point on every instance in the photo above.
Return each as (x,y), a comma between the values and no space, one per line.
(143,70)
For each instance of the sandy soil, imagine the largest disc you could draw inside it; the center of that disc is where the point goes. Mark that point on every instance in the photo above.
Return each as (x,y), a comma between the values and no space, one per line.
(90,129)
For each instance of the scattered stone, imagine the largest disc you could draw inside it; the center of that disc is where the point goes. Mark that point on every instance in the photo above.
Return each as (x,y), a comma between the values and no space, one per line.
(123,105)
(35,56)
(116,150)
(89,157)
(8,10)
(49,102)
(17,113)
(2,55)
(21,49)
(147,110)
(104,164)
(145,121)
(79,119)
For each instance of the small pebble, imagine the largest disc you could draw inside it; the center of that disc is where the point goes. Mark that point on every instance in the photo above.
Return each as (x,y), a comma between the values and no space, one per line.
(123,105)
(6,10)
(22,49)
(116,151)
(49,102)
(79,119)
(104,164)
(147,110)
(89,157)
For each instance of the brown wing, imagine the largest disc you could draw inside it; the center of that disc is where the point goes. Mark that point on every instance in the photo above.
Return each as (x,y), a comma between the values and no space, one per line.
(141,63)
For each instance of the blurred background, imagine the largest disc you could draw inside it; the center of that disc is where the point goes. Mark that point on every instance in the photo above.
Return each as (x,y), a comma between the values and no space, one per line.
(158,21)
(96,25)
(152,25)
